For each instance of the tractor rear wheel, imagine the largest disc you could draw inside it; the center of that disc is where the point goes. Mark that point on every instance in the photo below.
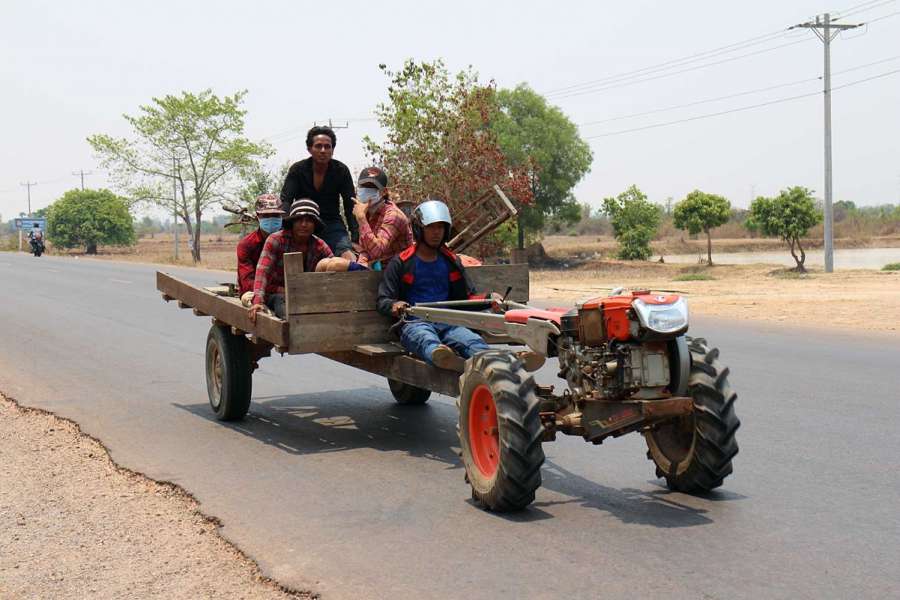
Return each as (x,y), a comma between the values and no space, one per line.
(229,373)
(405,393)
(694,453)
(500,431)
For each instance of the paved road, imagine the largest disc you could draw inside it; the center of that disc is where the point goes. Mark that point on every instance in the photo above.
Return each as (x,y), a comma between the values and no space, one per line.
(331,486)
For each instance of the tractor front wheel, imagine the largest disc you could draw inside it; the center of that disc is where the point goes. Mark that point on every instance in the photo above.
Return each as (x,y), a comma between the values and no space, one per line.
(694,453)
(500,431)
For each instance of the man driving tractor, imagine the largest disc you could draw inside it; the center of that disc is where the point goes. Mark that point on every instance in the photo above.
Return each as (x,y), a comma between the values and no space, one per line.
(428,271)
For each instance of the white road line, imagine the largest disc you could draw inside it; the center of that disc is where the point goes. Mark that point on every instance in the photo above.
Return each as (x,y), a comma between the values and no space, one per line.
(52,270)
(120,281)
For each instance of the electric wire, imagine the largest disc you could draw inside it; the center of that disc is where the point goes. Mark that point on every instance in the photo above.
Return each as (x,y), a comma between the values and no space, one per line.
(851,11)
(740,109)
(738,94)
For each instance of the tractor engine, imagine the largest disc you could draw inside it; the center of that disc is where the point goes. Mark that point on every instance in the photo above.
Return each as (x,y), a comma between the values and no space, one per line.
(615,350)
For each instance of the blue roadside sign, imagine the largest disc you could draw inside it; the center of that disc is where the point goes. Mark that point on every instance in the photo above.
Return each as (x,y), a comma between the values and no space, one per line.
(28,223)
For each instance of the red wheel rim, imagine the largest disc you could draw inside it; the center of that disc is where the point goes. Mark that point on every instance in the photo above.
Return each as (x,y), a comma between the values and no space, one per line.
(484,437)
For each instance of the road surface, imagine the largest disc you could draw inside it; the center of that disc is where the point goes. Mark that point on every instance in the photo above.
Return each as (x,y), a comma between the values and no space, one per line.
(332,487)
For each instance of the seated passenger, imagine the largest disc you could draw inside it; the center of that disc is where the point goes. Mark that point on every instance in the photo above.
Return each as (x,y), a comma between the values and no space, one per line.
(429,272)
(268,213)
(297,236)
(384,230)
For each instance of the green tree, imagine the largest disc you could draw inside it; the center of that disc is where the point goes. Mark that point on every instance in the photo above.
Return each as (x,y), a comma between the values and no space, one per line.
(89,218)
(541,139)
(788,216)
(634,220)
(700,211)
(439,140)
(195,140)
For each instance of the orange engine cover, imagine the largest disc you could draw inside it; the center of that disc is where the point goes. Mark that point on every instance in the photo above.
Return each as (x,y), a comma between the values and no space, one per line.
(616,324)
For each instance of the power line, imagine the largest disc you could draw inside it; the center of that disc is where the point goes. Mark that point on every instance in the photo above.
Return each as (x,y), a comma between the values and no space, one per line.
(671,63)
(82,173)
(29,185)
(686,70)
(739,109)
(863,8)
(736,95)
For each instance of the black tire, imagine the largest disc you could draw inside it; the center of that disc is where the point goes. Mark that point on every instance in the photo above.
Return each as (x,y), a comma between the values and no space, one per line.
(515,429)
(229,373)
(408,394)
(694,453)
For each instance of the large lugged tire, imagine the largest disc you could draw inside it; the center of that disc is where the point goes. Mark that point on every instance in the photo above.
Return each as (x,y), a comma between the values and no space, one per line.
(229,374)
(408,394)
(694,453)
(500,431)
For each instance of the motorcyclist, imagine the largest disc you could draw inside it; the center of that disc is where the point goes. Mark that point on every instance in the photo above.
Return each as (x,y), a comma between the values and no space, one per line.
(36,238)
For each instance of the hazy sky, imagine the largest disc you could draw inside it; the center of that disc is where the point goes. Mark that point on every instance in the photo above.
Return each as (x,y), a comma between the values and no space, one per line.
(71,69)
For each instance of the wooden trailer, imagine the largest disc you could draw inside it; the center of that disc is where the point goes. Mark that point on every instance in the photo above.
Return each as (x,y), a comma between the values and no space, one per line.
(330,314)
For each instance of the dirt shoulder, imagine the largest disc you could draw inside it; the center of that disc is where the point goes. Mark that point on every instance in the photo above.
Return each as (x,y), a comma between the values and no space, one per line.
(845,301)
(74,525)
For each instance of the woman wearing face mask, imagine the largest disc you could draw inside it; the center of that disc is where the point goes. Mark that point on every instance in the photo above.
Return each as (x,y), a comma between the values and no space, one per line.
(269,215)
(384,230)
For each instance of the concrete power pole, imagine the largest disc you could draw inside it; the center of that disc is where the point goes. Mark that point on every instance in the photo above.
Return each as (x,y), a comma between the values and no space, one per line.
(826,30)
(82,173)
(29,185)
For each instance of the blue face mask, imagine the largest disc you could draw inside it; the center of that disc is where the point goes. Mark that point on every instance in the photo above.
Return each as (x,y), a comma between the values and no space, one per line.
(270,224)
(367,195)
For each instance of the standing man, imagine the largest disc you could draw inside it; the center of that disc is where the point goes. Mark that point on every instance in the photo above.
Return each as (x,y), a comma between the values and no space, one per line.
(327,182)
(268,214)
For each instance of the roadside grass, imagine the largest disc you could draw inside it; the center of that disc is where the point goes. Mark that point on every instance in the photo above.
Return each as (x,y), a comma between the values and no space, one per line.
(790,273)
(694,277)
(891,267)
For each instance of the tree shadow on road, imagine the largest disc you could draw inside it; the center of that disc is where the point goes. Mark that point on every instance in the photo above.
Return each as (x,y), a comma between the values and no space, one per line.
(335,421)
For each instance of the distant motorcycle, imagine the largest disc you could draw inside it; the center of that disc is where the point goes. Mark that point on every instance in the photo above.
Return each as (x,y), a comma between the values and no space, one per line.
(37,246)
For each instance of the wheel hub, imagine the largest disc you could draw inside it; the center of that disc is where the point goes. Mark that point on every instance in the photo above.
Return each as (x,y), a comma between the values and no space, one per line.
(484,433)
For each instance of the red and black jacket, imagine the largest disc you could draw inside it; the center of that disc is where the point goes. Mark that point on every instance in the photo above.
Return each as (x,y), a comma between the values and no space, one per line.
(401,274)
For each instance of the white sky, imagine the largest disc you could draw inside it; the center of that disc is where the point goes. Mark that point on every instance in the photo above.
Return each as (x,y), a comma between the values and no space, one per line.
(71,69)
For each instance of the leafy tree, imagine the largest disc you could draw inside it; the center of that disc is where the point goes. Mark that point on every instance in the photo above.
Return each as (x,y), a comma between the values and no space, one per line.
(788,216)
(541,139)
(438,138)
(195,140)
(89,218)
(634,220)
(700,211)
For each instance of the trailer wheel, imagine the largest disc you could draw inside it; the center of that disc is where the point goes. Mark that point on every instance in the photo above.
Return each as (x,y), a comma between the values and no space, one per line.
(500,431)
(408,394)
(228,373)
(694,453)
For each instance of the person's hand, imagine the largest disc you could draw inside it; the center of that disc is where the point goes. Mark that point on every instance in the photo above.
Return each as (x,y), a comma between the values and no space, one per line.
(397,308)
(359,210)
(496,300)
(253,310)
(356,247)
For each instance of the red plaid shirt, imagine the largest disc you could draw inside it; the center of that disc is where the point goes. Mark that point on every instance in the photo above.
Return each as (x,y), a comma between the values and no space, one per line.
(384,234)
(270,269)
(248,251)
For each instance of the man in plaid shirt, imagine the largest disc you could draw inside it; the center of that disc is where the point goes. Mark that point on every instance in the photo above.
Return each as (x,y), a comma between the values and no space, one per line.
(384,230)
(297,236)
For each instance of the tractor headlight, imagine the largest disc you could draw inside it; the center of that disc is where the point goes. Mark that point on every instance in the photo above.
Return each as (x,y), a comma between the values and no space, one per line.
(662,318)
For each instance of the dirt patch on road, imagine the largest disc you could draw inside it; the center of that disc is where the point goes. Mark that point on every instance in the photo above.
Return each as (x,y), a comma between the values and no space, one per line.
(75,525)
(845,301)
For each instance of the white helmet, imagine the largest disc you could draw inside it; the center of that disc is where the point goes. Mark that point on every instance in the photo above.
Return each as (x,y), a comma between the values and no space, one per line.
(428,212)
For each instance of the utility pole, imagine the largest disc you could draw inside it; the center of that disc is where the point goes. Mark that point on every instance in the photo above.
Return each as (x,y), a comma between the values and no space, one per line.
(331,125)
(29,185)
(175,203)
(82,174)
(826,30)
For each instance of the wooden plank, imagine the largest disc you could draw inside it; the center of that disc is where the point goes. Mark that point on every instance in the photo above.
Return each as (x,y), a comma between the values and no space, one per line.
(385,349)
(496,278)
(332,292)
(270,329)
(293,264)
(341,292)
(405,368)
(327,332)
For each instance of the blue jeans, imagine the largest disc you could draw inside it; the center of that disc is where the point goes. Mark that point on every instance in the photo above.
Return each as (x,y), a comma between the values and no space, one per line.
(421,338)
(335,235)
